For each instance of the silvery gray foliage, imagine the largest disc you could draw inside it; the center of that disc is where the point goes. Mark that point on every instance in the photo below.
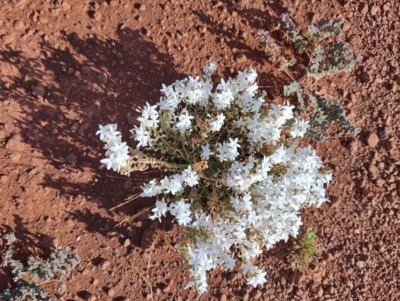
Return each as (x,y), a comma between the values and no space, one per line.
(320,112)
(324,28)
(327,58)
(291,88)
(25,291)
(300,44)
(57,266)
(330,59)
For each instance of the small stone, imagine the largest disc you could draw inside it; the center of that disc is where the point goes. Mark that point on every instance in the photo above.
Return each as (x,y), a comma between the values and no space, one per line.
(132,120)
(38,91)
(361,264)
(85,70)
(71,159)
(95,281)
(113,3)
(74,36)
(90,297)
(346,26)
(128,184)
(104,264)
(96,201)
(374,10)
(142,7)
(18,24)
(18,2)
(3,179)
(365,78)
(130,232)
(120,55)
(241,58)
(398,188)
(364,8)
(46,242)
(7,38)
(257,294)
(74,127)
(15,157)
(296,278)
(97,15)
(223,298)
(167,289)
(127,242)
(145,31)
(320,292)
(372,140)
(147,239)
(66,6)
(102,77)
(16,143)
(354,39)
(111,292)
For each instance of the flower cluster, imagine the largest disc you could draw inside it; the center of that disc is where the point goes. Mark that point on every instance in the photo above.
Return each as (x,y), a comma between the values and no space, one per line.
(237,175)
(117,151)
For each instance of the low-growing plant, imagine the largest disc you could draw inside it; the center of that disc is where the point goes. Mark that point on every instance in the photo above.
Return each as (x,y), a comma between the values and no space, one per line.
(304,250)
(327,58)
(56,267)
(237,171)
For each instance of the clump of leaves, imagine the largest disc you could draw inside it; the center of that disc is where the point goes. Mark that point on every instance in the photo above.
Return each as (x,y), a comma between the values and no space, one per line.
(304,250)
(56,267)
(293,32)
(327,58)
(321,112)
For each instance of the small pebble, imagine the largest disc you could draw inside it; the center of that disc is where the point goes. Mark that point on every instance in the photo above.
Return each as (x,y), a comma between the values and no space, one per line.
(38,91)
(147,238)
(97,15)
(111,292)
(127,242)
(372,140)
(85,70)
(71,158)
(18,24)
(241,58)
(105,264)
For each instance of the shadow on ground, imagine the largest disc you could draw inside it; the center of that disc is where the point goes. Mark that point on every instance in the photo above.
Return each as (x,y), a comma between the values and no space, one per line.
(66,93)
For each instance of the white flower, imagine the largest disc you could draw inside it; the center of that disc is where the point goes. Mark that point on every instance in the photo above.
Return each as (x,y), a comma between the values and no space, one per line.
(190,177)
(181,211)
(228,151)
(151,189)
(159,211)
(108,132)
(206,152)
(217,124)
(184,122)
(142,136)
(254,276)
(210,69)
(224,95)
(299,128)
(280,113)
